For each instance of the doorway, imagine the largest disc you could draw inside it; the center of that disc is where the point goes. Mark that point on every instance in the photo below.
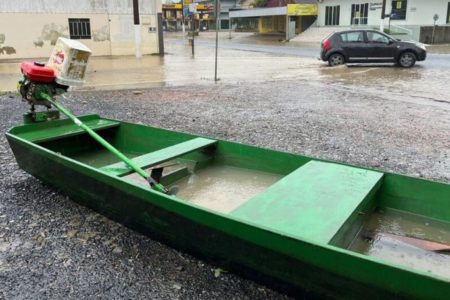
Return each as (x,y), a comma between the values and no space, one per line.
(448,13)
(360,13)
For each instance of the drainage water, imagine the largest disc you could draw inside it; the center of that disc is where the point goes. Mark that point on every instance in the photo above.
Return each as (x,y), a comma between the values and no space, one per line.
(388,248)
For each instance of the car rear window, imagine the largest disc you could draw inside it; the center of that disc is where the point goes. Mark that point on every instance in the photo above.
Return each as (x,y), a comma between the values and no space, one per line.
(352,37)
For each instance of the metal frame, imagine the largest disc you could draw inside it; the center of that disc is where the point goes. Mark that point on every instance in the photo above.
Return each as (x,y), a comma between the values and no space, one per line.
(80,28)
(332,15)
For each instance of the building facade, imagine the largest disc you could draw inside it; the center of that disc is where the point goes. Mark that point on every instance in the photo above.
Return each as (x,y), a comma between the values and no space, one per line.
(402,13)
(30,28)
(287,19)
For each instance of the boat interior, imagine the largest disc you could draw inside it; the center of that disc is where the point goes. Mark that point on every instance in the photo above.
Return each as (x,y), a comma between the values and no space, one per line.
(387,216)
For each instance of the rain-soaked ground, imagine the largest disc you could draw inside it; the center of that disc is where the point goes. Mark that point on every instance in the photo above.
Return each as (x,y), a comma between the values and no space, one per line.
(380,117)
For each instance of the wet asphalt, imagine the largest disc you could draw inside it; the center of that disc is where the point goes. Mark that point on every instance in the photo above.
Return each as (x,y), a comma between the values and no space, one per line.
(52,248)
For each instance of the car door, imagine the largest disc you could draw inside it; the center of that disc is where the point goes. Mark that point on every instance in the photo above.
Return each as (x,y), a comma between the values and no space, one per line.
(354,45)
(381,47)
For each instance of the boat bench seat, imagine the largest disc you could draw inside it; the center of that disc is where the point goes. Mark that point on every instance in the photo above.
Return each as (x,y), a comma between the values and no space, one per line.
(66,128)
(313,202)
(159,156)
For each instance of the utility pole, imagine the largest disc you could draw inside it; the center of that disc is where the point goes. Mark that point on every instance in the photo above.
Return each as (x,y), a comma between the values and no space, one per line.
(160,35)
(137,29)
(193,32)
(216,12)
(182,14)
(383,9)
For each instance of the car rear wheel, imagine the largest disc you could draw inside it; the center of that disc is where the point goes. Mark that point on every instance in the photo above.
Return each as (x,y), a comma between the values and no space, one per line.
(407,60)
(336,60)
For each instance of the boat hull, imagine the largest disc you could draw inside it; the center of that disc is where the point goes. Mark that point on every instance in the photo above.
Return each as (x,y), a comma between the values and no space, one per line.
(301,268)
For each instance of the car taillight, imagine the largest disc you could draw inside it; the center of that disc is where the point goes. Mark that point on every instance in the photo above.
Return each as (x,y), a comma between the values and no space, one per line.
(326,45)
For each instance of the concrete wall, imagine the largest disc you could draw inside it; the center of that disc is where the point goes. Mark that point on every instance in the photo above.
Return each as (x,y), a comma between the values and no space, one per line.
(437,35)
(419,12)
(29,28)
(79,6)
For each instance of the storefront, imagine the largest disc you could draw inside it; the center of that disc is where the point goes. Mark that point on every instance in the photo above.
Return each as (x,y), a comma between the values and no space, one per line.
(286,20)
(174,15)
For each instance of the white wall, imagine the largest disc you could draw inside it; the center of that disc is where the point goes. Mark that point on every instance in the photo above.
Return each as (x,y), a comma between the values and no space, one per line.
(78,6)
(425,10)
(419,12)
(29,27)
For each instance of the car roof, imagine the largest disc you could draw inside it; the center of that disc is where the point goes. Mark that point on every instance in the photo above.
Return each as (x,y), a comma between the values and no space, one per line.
(357,30)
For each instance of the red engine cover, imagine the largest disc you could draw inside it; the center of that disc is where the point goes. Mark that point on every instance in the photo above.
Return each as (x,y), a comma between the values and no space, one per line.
(37,72)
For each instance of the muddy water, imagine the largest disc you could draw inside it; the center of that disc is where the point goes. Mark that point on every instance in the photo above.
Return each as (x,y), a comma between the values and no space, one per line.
(223,188)
(99,158)
(389,248)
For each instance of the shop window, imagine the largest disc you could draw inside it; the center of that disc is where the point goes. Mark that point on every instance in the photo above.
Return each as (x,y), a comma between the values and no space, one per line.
(80,29)
(398,11)
(360,14)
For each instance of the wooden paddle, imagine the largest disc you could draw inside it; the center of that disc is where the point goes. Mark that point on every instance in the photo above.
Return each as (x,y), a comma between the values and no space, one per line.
(416,242)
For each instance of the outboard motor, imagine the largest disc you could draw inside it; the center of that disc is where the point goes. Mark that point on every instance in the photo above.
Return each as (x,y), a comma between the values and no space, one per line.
(37,77)
(66,67)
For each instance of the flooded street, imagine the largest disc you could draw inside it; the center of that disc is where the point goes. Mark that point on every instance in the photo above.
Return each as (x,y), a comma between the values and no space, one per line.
(246,60)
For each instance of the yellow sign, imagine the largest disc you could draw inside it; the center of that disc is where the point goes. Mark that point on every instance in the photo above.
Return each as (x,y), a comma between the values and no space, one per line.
(187,2)
(204,7)
(172,6)
(302,10)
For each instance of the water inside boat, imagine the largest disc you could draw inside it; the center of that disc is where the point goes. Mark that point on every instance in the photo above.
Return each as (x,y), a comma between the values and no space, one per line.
(387,226)
(219,188)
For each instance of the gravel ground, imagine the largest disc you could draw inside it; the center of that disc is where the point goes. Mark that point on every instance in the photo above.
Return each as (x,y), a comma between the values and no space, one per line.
(51,247)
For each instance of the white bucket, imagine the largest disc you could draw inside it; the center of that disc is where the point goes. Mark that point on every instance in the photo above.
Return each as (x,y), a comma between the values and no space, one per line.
(69,59)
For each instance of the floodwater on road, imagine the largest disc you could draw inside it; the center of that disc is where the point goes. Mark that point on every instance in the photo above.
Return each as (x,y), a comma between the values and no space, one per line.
(258,62)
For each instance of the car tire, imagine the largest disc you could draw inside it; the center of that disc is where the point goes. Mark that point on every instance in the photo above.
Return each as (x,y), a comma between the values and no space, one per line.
(336,59)
(407,59)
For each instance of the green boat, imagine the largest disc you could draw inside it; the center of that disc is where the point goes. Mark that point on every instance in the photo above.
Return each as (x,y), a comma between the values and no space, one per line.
(306,226)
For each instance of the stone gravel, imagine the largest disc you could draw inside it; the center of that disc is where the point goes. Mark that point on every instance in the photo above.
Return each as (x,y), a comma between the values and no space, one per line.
(51,247)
